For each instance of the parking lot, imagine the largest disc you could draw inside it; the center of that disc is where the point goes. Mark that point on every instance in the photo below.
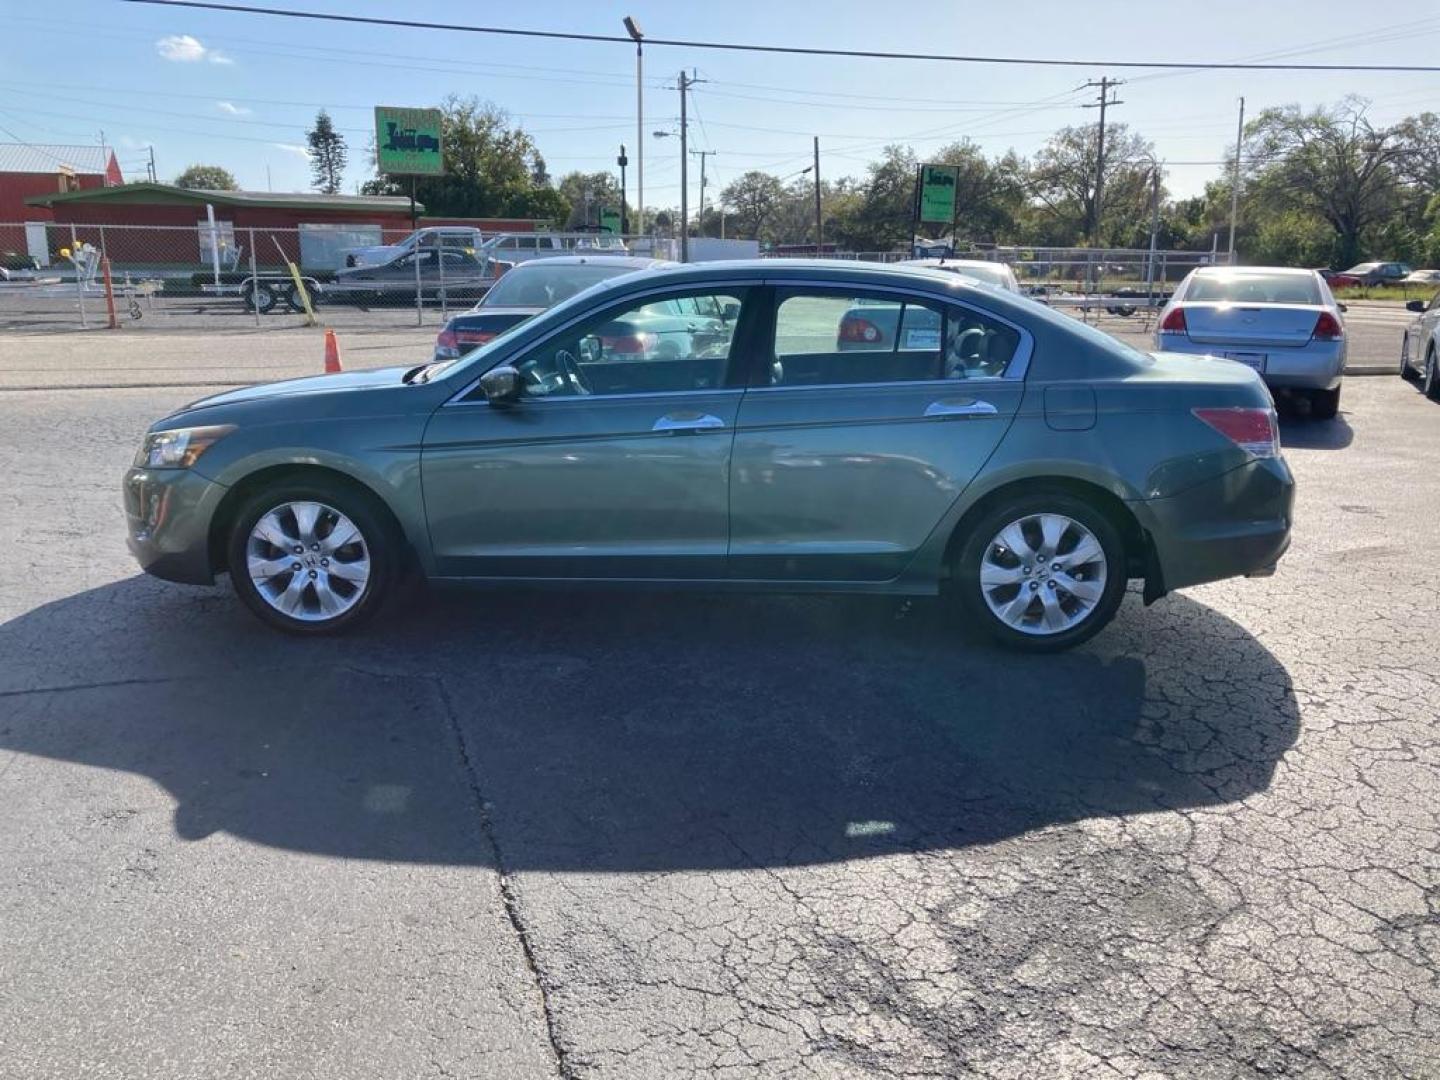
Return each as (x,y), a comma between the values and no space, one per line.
(583,835)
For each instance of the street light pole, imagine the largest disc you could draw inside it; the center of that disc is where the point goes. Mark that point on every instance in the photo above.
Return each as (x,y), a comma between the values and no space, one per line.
(622,161)
(1235,185)
(638,36)
(818,226)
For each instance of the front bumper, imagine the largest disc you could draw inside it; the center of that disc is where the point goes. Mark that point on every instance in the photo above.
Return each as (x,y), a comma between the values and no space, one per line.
(1236,524)
(167,522)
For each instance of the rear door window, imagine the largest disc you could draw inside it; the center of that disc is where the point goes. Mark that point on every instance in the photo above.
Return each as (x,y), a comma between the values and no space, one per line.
(833,338)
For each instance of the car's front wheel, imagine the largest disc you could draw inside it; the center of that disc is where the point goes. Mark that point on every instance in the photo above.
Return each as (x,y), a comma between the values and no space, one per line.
(1406,371)
(311,558)
(1041,572)
(1430,380)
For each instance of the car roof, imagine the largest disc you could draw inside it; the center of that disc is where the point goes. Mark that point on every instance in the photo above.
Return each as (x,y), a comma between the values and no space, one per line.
(635,262)
(947,263)
(1238,271)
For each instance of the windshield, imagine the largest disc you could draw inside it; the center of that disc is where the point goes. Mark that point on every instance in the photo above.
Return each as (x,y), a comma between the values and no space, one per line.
(544,286)
(1255,288)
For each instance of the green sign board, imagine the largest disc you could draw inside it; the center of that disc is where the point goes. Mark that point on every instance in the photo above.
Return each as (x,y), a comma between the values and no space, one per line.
(407,141)
(610,221)
(937,192)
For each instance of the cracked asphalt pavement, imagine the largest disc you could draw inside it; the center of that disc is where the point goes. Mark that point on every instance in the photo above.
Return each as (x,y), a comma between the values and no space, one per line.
(603,835)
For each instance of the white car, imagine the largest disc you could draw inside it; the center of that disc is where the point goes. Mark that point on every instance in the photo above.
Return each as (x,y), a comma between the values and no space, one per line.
(522,247)
(1282,322)
(1421,277)
(987,273)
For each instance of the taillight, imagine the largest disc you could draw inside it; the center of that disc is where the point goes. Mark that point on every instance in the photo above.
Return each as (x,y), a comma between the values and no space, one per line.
(1327,328)
(445,343)
(628,344)
(1174,322)
(854,328)
(1253,430)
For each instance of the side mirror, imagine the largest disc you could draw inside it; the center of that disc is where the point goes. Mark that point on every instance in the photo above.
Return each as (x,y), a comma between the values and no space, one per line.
(502,385)
(1342,307)
(1415,305)
(730,310)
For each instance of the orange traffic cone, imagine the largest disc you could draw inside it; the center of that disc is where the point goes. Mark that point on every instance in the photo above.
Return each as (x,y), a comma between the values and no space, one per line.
(332,353)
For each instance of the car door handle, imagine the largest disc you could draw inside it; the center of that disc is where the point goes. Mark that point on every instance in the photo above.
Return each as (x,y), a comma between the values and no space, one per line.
(966,407)
(681,422)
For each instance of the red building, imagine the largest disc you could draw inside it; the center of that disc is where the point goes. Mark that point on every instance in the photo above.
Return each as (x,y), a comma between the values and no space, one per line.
(159,225)
(28,171)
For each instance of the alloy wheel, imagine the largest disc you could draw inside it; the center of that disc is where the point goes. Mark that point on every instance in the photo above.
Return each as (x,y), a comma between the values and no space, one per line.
(1043,574)
(308,561)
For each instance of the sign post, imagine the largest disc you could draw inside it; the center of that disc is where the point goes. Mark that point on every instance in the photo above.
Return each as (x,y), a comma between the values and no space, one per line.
(935,195)
(408,143)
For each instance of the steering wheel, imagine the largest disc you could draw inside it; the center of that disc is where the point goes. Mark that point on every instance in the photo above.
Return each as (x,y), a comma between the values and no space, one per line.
(570,369)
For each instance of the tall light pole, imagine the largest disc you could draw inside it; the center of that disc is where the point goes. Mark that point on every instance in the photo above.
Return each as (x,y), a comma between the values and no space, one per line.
(622,161)
(637,35)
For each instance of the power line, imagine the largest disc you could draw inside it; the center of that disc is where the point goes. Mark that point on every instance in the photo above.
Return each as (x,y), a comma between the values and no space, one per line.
(791,50)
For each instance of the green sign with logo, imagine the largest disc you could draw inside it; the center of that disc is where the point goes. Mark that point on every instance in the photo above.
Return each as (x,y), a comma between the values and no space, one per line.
(610,221)
(407,141)
(937,192)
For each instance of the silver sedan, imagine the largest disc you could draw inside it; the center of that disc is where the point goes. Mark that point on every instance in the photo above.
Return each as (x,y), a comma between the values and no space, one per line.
(1282,322)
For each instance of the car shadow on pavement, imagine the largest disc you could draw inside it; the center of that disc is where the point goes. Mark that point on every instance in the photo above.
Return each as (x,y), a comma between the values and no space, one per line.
(625,732)
(1304,433)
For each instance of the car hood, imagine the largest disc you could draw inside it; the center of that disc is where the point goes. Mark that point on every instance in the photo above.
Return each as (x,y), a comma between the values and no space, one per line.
(374,379)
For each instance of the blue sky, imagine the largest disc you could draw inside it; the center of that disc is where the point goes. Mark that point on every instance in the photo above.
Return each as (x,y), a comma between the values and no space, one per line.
(239,91)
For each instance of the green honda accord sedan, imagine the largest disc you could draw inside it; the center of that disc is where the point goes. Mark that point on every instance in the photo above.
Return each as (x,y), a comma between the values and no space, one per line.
(966,443)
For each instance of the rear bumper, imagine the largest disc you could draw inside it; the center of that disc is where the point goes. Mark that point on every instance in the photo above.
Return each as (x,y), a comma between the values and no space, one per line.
(1234,525)
(167,522)
(1317,366)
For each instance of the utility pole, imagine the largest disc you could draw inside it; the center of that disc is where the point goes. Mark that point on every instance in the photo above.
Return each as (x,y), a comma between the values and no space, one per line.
(684,176)
(702,155)
(819,238)
(1154,230)
(1105,85)
(1235,185)
(151,166)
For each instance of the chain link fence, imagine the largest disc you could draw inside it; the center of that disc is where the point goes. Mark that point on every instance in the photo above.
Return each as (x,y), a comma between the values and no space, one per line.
(215,275)
(220,276)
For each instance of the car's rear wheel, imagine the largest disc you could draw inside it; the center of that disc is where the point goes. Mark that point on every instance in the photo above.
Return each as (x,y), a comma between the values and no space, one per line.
(1041,572)
(1430,383)
(311,558)
(1325,404)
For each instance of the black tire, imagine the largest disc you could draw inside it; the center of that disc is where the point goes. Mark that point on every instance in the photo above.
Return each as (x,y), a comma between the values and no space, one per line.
(1408,373)
(967,591)
(1324,404)
(1430,383)
(292,297)
(376,531)
(258,296)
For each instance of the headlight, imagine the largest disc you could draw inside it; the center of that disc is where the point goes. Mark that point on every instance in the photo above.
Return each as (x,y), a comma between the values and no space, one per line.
(179,448)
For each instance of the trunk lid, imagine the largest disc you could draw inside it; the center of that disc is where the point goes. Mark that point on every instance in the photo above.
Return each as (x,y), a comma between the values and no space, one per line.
(1269,325)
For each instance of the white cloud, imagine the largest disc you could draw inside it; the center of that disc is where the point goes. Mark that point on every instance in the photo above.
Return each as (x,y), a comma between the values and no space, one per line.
(232,109)
(184,49)
(298,149)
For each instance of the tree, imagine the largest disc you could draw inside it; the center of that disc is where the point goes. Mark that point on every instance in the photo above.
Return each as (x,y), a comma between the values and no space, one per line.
(1064,177)
(491,169)
(1331,163)
(587,193)
(328,154)
(989,195)
(750,201)
(206,178)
